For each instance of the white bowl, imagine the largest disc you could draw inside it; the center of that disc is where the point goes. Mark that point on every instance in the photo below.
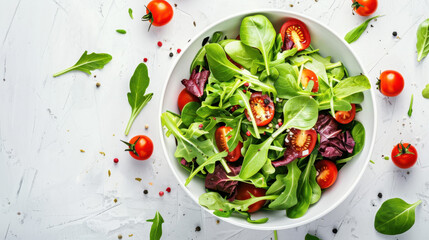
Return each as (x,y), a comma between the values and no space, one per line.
(330,44)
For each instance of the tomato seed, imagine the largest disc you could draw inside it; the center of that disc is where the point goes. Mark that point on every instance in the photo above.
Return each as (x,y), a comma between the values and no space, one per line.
(116,160)
(161,193)
(248,133)
(144,59)
(168,189)
(179,50)
(159,44)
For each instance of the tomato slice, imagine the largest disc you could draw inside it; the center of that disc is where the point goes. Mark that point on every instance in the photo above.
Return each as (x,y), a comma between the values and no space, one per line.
(185,97)
(345,117)
(326,173)
(243,191)
(262,108)
(221,142)
(307,76)
(297,32)
(301,142)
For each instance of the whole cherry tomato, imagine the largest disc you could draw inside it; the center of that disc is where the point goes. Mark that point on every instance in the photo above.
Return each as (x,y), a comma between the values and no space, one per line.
(140,147)
(404,155)
(390,83)
(364,7)
(158,13)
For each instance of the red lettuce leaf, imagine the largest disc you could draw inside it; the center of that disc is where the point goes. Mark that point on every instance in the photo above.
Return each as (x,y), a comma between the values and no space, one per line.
(196,83)
(219,181)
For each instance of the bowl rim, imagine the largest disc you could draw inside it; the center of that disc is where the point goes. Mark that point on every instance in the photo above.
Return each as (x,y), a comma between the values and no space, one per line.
(371,147)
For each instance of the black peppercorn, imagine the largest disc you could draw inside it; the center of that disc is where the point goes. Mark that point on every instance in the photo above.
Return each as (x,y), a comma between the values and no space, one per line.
(171,54)
(395,34)
(335,230)
(380,195)
(145,191)
(197,229)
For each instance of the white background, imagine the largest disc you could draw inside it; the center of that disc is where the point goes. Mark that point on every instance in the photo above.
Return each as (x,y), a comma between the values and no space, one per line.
(49,189)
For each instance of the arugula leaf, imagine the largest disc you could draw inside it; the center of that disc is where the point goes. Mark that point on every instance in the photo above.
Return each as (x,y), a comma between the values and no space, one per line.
(288,197)
(130,12)
(210,161)
(423,40)
(395,216)
(354,34)
(311,237)
(156,229)
(425,92)
(235,132)
(258,32)
(258,180)
(278,186)
(410,109)
(87,63)
(121,31)
(315,188)
(136,98)
(242,99)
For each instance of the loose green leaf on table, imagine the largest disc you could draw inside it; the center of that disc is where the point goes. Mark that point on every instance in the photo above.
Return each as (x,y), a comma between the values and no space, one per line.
(425,92)
(311,237)
(87,63)
(121,31)
(354,34)
(130,12)
(136,97)
(423,40)
(410,109)
(395,216)
(156,229)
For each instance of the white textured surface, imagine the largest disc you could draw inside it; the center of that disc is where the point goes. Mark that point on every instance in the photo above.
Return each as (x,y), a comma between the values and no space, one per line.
(61,193)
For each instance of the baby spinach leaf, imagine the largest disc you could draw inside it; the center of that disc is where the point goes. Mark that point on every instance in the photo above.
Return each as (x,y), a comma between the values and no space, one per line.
(286,84)
(288,197)
(220,66)
(199,60)
(395,216)
(425,92)
(410,109)
(216,37)
(243,54)
(130,12)
(358,134)
(87,63)
(189,113)
(351,85)
(311,237)
(156,229)
(423,40)
(318,68)
(354,34)
(299,112)
(258,32)
(136,97)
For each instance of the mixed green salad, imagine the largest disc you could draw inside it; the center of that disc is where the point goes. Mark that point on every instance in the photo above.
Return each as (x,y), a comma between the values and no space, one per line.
(266,120)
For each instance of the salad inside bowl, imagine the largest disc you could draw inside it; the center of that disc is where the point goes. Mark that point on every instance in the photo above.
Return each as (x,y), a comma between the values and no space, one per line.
(263,120)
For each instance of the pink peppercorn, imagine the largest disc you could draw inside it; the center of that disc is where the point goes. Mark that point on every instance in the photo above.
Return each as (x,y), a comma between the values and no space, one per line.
(244,90)
(246,84)
(116,160)
(161,193)
(144,59)
(159,44)
(201,126)
(168,189)
(248,133)
(179,50)
(280,124)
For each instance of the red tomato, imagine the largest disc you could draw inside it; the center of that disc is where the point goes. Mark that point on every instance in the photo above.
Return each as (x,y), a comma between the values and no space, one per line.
(262,108)
(326,173)
(390,83)
(301,142)
(307,76)
(364,7)
(140,147)
(297,32)
(404,155)
(221,142)
(243,191)
(345,117)
(185,97)
(158,13)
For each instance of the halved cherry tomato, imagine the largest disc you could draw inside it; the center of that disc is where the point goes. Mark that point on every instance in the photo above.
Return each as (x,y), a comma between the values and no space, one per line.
(345,117)
(185,97)
(297,32)
(243,191)
(307,76)
(364,7)
(221,142)
(326,173)
(301,142)
(390,83)
(404,155)
(158,13)
(140,147)
(262,108)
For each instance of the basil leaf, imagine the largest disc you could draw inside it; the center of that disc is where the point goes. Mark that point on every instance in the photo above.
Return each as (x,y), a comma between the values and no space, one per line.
(410,109)
(354,34)
(87,63)
(395,216)
(311,237)
(425,92)
(258,32)
(130,12)
(121,31)
(136,98)
(156,229)
(423,40)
